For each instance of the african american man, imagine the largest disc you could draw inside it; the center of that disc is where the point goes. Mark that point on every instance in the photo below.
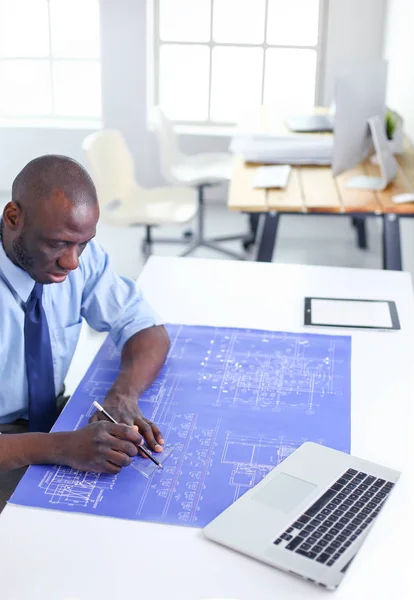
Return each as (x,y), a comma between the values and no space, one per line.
(53,274)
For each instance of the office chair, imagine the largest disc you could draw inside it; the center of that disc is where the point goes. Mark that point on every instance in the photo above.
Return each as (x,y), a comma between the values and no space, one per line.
(199,171)
(123,201)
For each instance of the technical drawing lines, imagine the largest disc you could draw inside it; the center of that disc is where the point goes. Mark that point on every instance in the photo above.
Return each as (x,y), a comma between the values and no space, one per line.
(69,486)
(233,403)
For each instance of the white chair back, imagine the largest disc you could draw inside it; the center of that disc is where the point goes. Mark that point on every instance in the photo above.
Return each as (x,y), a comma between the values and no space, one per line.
(170,155)
(111,165)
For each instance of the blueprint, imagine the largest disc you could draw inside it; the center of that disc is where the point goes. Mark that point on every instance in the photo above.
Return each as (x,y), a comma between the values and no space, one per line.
(232,402)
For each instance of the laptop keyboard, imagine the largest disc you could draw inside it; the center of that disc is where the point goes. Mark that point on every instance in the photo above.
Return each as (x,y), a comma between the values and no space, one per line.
(337,518)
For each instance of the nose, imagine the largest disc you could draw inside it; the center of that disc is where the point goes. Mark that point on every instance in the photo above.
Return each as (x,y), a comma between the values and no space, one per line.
(69,261)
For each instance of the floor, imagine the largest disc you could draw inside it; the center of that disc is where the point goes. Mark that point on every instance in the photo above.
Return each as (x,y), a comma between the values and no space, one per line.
(301,239)
(308,239)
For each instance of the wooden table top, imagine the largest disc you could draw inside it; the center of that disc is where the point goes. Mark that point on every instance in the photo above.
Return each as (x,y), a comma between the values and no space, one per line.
(313,189)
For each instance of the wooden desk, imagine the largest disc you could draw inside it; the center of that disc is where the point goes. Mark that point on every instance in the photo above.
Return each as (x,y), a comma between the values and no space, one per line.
(314,190)
(53,555)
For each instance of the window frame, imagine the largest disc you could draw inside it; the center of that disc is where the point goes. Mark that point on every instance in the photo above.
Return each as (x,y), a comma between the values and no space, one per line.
(52,120)
(217,127)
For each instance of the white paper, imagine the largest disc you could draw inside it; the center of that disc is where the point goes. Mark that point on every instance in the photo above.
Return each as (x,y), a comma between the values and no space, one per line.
(309,149)
(352,313)
(271,177)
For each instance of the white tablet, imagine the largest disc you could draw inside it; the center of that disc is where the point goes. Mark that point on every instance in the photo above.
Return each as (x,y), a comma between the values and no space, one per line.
(347,312)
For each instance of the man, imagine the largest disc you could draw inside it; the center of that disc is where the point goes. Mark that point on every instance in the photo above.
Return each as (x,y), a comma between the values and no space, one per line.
(53,273)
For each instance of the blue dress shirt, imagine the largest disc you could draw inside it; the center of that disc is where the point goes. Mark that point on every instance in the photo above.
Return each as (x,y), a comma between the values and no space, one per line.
(93,291)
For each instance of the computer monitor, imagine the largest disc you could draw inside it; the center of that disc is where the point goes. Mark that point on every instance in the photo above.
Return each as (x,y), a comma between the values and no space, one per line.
(360,98)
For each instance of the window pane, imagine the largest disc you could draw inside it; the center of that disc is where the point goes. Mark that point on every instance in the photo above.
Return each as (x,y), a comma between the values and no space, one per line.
(25,88)
(236,81)
(77,88)
(290,79)
(185,20)
(293,22)
(75,28)
(24,28)
(184,76)
(239,22)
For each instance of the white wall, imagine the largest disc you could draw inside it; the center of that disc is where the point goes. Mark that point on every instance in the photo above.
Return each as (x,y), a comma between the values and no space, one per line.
(123,39)
(399,50)
(355,37)
(355,34)
(123,43)
(19,145)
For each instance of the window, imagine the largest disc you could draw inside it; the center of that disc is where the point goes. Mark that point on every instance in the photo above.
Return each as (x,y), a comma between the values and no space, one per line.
(213,58)
(49,60)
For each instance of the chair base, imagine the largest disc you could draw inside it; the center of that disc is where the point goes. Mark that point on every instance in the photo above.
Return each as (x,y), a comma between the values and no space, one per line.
(198,240)
(206,244)
(148,241)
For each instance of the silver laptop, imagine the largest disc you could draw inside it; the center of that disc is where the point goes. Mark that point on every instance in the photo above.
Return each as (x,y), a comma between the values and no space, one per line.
(310,515)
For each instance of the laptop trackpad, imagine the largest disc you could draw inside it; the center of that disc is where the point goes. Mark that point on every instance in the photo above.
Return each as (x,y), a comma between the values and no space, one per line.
(284,492)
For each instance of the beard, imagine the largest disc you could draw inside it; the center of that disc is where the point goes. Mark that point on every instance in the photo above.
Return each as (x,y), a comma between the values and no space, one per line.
(22,255)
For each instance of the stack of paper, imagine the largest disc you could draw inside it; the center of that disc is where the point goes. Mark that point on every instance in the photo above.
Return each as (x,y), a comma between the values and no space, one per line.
(293,150)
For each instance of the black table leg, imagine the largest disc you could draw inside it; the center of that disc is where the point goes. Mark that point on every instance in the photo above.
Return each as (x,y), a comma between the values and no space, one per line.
(360,225)
(267,236)
(254,223)
(250,239)
(391,243)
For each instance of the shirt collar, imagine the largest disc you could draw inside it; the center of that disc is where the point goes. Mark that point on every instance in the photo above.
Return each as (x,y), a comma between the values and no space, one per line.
(20,281)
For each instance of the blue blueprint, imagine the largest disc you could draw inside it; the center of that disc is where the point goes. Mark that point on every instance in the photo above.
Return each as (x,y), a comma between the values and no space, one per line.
(235,403)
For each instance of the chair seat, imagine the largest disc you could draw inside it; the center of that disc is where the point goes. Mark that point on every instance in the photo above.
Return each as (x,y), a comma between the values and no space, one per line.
(157,206)
(202,168)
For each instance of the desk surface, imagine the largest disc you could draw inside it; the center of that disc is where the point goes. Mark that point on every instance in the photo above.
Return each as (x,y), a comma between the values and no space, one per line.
(312,188)
(48,555)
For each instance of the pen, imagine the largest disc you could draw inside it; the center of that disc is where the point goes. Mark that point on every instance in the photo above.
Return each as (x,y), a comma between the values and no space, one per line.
(144,450)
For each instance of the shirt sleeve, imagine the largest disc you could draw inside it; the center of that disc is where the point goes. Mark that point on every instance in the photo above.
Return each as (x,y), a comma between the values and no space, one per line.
(110,302)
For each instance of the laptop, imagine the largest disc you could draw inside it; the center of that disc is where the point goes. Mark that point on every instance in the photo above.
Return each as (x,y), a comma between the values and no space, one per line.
(310,123)
(310,515)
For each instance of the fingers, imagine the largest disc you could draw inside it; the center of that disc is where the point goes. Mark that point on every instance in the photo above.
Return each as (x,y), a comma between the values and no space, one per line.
(126,447)
(138,433)
(94,417)
(146,430)
(157,434)
(141,454)
(118,458)
(111,468)
(119,417)
(125,432)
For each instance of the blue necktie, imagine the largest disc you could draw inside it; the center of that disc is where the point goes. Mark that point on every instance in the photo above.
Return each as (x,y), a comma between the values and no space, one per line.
(39,364)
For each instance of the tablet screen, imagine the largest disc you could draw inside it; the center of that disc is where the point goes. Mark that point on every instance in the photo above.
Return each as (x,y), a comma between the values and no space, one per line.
(351,313)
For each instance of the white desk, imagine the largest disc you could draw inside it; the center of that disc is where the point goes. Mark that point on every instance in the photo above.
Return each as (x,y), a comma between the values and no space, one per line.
(50,555)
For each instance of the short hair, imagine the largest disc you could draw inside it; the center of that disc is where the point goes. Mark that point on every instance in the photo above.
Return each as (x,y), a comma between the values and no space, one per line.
(42,175)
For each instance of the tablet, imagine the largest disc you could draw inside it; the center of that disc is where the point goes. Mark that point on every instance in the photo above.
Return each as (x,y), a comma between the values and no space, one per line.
(348,312)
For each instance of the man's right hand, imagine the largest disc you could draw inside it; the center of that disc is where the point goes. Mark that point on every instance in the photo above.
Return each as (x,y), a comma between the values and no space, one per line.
(101,446)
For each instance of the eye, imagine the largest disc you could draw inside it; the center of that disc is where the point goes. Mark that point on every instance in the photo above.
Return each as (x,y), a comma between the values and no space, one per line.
(56,245)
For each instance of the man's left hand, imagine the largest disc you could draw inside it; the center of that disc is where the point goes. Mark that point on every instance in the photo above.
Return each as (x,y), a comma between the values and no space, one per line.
(125,410)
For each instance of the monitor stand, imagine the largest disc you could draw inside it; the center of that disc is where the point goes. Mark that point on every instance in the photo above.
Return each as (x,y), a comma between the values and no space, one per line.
(386,161)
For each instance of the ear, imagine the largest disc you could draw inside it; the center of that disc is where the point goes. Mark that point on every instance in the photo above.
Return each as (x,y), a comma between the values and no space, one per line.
(13,216)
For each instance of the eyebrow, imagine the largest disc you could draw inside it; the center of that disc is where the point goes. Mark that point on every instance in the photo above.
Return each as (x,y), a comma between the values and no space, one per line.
(60,241)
